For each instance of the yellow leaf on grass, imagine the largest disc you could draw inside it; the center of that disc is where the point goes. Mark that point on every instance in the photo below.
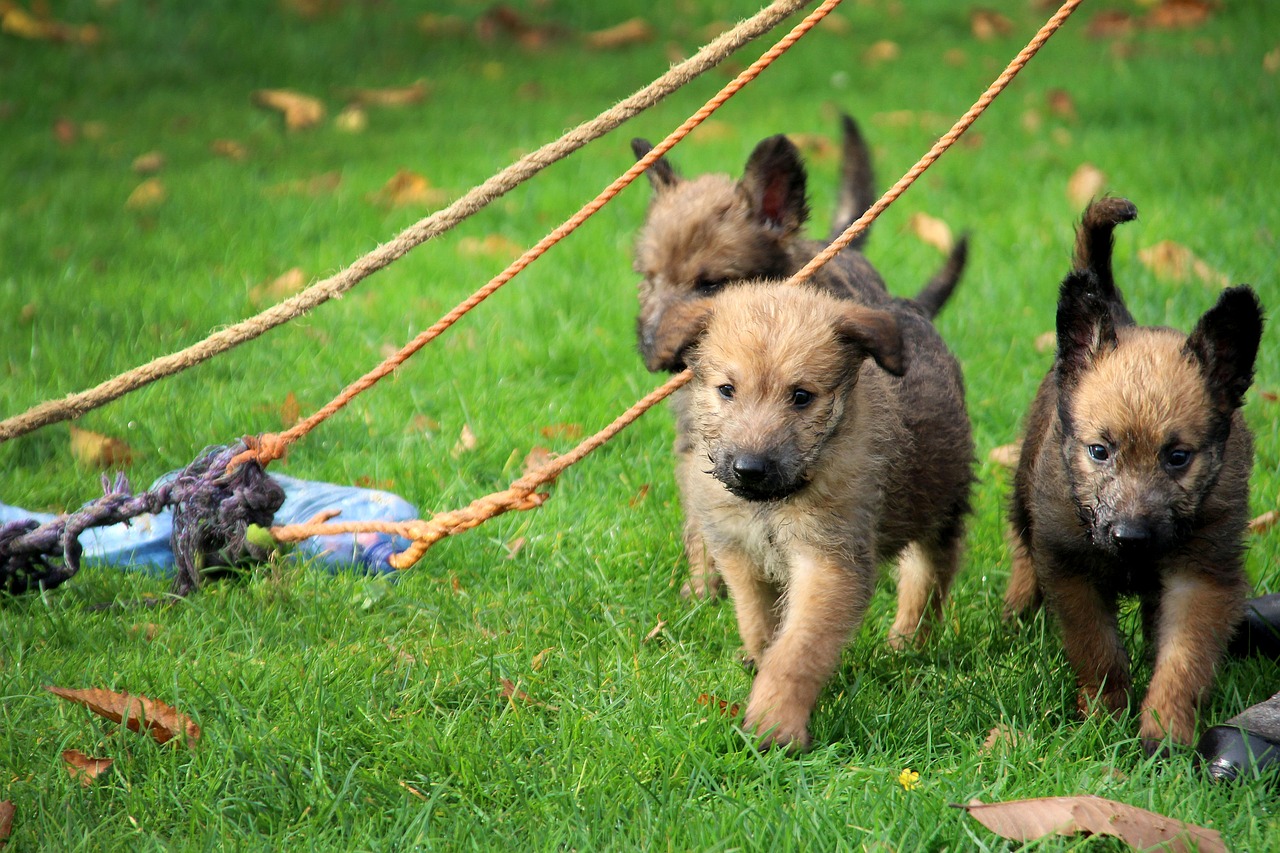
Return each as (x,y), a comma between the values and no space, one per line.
(401,96)
(489,246)
(1006,454)
(407,188)
(655,632)
(162,722)
(1176,262)
(629,32)
(300,111)
(17,21)
(83,768)
(149,163)
(467,441)
(988,24)
(147,195)
(353,119)
(96,450)
(1264,522)
(279,288)
(229,148)
(1046,342)
(881,51)
(933,231)
(1085,184)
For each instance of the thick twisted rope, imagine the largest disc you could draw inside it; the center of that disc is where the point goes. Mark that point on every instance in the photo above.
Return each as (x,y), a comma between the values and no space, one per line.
(74,405)
(523,494)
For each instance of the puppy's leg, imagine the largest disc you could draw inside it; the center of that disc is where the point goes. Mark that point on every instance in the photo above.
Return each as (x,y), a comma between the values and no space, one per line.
(1022,596)
(1091,638)
(755,601)
(824,602)
(1196,617)
(704,580)
(925,572)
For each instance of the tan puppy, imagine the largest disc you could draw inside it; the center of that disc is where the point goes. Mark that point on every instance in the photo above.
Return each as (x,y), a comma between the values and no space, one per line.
(704,233)
(830,436)
(1134,480)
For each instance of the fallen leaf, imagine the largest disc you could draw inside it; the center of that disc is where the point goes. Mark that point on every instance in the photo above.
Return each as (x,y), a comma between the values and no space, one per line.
(401,96)
(325,182)
(1029,820)
(84,768)
(147,630)
(366,482)
(1176,262)
(537,459)
(1001,735)
(423,423)
(1006,454)
(881,51)
(955,57)
(433,25)
(413,790)
(1271,61)
(540,659)
(279,288)
(352,119)
(300,111)
(229,148)
(655,632)
(1110,24)
(570,431)
(6,820)
(96,450)
(1046,342)
(932,230)
(1085,184)
(815,147)
(467,441)
(65,131)
(147,195)
(1269,396)
(629,32)
(489,246)
(149,163)
(988,24)
(311,9)
(290,410)
(728,709)
(1266,521)
(1061,104)
(407,188)
(639,496)
(515,546)
(514,694)
(16,21)
(162,721)
(501,20)
(1178,14)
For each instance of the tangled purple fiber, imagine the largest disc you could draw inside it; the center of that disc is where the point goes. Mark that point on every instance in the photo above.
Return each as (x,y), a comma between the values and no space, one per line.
(212,511)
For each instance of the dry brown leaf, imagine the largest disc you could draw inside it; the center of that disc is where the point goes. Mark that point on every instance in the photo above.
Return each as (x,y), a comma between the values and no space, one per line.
(1110,23)
(396,96)
(570,431)
(279,288)
(300,111)
(1028,820)
(290,410)
(1179,14)
(84,768)
(537,459)
(147,195)
(95,450)
(1085,184)
(540,659)
(407,188)
(147,630)
(955,57)
(629,32)
(149,163)
(352,119)
(1006,454)
(815,147)
(18,22)
(1061,104)
(1176,262)
(163,722)
(933,231)
(65,131)
(1264,522)
(325,182)
(988,24)
(433,25)
(229,148)
(515,546)
(1046,342)
(423,423)
(655,632)
(639,496)
(881,51)
(514,694)
(727,708)
(311,9)
(1001,735)
(489,246)
(1269,396)
(1271,61)
(6,820)
(467,441)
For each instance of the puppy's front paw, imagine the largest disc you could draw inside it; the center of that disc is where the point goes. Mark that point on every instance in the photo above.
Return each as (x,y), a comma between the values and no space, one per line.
(1179,724)
(1111,699)
(779,720)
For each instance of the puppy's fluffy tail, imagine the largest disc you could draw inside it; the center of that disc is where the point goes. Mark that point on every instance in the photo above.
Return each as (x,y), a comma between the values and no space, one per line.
(1094,243)
(938,289)
(857,183)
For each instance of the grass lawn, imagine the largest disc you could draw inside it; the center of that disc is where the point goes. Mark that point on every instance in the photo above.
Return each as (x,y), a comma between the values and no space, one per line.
(344,712)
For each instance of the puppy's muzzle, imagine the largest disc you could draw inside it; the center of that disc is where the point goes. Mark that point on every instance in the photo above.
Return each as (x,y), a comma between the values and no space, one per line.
(755,477)
(1138,537)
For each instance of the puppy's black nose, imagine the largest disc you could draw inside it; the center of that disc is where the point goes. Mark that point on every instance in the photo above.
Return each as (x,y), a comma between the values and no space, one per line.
(1132,534)
(752,469)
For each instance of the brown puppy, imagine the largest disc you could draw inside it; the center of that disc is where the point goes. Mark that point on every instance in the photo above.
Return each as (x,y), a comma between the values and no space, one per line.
(703,233)
(830,436)
(1134,480)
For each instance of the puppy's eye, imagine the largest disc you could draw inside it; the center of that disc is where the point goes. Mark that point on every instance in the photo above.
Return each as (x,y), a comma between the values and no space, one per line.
(801,398)
(726,391)
(707,285)
(1099,452)
(1178,458)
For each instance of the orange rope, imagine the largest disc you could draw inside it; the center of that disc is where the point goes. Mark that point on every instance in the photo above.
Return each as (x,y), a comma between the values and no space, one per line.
(271,446)
(522,494)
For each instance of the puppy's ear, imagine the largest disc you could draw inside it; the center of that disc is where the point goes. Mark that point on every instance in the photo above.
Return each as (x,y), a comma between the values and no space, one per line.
(875,333)
(661,175)
(1086,326)
(681,327)
(1094,243)
(1225,342)
(774,184)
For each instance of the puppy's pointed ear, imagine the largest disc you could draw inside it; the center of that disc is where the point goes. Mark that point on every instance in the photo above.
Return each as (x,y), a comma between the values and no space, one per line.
(661,174)
(675,340)
(1225,342)
(1086,327)
(875,333)
(774,184)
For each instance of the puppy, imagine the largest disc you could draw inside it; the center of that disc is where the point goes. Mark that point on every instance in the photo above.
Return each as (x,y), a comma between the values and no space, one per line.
(830,436)
(1134,480)
(703,233)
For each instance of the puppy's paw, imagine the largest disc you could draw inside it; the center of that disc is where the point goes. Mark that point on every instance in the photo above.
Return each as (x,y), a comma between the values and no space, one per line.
(1178,724)
(779,721)
(1111,699)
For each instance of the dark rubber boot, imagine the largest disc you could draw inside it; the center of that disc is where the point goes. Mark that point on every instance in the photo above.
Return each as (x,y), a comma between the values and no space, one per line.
(1245,745)
(1259,633)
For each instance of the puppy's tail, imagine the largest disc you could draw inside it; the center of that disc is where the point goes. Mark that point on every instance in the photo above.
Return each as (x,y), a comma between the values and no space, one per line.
(857,183)
(1094,242)
(938,289)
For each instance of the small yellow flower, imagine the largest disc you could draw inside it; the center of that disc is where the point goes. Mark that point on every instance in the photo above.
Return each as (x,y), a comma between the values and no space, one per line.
(909,779)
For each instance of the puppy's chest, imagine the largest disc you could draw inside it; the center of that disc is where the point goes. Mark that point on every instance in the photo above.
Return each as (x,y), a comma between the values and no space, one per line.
(768,535)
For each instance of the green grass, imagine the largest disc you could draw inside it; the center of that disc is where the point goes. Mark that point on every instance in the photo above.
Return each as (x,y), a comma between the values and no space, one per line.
(349,713)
